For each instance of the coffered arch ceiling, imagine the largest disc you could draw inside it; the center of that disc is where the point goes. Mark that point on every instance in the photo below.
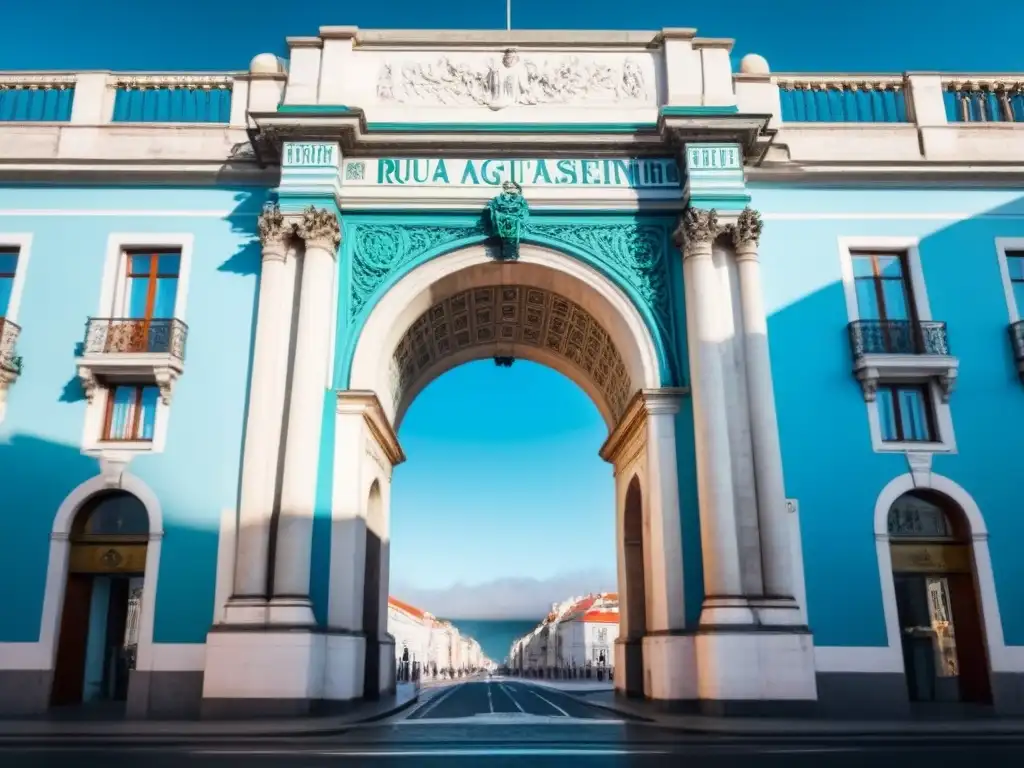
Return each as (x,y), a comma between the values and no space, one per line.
(546,307)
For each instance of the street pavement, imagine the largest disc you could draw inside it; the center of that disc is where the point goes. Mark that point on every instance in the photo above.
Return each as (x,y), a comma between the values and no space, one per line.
(502,723)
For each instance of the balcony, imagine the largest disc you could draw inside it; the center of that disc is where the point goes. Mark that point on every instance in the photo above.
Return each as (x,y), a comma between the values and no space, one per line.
(901,350)
(130,350)
(1017,343)
(10,360)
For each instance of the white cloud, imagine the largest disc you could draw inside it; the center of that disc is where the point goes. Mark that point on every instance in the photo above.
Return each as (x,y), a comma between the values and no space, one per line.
(510,598)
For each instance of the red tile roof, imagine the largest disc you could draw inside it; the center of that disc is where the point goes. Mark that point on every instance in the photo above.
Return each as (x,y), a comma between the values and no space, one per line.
(406,608)
(601,617)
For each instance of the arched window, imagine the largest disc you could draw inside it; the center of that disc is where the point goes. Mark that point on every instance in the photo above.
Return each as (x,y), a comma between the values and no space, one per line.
(115,515)
(923,515)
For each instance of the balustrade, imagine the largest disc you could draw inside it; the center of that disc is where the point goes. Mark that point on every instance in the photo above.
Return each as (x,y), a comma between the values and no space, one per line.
(897,337)
(827,99)
(984,100)
(120,335)
(36,97)
(172,98)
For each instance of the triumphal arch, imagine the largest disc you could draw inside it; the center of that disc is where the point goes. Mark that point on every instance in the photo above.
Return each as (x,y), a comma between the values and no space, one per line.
(574,199)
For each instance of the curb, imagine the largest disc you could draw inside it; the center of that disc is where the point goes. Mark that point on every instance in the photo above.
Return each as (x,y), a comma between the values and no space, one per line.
(179,737)
(725,731)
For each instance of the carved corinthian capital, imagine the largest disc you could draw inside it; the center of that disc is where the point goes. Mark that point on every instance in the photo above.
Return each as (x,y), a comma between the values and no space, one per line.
(272,228)
(697,226)
(747,230)
(319,228)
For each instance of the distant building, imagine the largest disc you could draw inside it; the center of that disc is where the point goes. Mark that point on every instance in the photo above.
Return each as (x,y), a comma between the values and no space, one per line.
(577,633)
(433,646)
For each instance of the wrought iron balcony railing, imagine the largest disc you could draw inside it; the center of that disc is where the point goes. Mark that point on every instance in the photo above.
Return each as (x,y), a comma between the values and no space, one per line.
(897,337)
(125,335)
(10,360)
(1017,341)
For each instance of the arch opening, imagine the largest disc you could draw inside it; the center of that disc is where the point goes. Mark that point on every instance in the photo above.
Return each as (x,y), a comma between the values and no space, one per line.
(101,613)
(937,600)
(547,307)
(636,588)
(373,577)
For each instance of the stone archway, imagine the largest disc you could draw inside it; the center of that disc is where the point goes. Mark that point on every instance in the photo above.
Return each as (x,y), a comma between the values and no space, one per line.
(550,308)
(635,592)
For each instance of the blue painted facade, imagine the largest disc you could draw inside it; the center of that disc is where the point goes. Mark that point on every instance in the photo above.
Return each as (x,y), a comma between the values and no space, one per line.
(829,463)
(196,477)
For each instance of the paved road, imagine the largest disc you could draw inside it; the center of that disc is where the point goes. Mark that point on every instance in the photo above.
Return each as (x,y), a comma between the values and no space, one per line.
(578,754)
(505,700)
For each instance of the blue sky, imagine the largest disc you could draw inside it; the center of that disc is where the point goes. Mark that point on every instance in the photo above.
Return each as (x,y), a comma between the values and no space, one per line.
(794,35)
(504,503)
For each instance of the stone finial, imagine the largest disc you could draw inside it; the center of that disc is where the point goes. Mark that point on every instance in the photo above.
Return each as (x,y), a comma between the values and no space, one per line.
(754,64)
(319,228)
(266,64)
(748,227)
(271,225)
(697,225)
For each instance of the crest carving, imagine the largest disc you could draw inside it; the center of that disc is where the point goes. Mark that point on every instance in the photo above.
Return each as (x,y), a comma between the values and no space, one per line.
(509,213)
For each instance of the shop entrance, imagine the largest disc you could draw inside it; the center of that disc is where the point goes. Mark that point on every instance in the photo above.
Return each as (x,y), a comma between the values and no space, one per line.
(941,629)
(102,601)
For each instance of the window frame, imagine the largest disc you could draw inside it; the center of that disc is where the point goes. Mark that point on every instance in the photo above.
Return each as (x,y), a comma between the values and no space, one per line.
(945,437)
(908,294)
(1004,246)
(151,280)
(136,409)
(94,441)
(22,243)
(114,292)
(929,414)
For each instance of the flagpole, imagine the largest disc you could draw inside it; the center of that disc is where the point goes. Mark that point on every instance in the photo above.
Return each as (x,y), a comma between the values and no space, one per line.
(508,15)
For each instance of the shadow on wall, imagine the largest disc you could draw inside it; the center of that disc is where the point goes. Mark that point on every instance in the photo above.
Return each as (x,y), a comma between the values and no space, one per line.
(820,402)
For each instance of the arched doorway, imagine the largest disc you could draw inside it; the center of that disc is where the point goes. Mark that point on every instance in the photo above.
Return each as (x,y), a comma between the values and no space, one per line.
(636,589)
(941,626)
(100,616)
(372,592)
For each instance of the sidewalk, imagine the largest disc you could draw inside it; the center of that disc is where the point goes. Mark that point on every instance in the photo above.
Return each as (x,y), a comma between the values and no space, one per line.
(155,730)
(783,727)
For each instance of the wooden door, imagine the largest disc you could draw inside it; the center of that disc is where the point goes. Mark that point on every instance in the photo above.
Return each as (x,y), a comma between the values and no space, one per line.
(971,655)
(69,671)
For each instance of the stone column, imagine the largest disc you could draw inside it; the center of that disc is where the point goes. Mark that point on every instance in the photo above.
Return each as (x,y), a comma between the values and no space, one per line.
(724,602)
(264,421)
(773,520)
(290,603)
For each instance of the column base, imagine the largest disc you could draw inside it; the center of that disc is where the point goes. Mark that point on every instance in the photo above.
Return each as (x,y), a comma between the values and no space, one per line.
(290,612)
(246,611)
(755,670)
(629,667)
(670,663)
(262,673)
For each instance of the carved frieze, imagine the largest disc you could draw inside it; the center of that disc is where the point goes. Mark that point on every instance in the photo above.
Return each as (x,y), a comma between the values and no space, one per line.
(509,80)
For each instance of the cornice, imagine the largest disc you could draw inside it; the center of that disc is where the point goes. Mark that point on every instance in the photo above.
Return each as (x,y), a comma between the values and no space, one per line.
(365,402)
(921,173)
(488,39)
(646,402)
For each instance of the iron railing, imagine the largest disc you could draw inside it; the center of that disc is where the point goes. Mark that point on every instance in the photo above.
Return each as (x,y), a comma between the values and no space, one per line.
(1017,340)
(106,335)
(897,337)
(10,360)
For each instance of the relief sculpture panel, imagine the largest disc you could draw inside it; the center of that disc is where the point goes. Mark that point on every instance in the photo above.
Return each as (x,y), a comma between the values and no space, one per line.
(511,80)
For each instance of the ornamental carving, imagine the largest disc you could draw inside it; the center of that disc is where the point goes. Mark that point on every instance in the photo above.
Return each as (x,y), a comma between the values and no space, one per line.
(696,226)
(271,225)
(509,213)
(747,229)
(510,80)
(509,315)
(319,228)
(634,253)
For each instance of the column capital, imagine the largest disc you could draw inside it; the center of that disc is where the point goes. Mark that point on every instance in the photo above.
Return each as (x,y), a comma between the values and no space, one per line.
(697,226)
(746,232)
(319,227)
(274,231)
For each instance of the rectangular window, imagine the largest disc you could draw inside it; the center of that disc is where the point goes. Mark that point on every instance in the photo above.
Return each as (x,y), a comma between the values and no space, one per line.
(131,413)
(1015,266)
(8,266)
(152,283)
(883,292)
(905,414)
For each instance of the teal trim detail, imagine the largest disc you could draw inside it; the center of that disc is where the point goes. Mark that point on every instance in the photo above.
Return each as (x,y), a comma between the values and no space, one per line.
(296,203)
(511,127)
(737,201)
(319,109)
(634,252)
(698,111)
(320,555)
